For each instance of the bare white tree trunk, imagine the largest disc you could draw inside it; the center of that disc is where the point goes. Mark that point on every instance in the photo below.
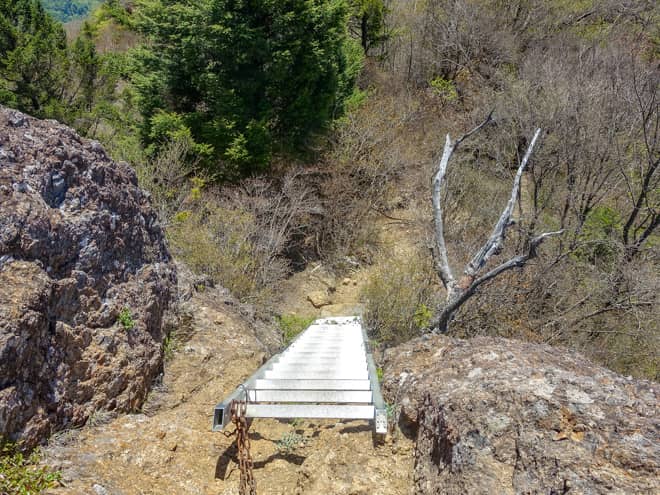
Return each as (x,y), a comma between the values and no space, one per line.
(461,291)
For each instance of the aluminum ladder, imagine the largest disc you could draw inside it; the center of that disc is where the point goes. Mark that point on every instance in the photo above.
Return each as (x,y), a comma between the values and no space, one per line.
(327,372)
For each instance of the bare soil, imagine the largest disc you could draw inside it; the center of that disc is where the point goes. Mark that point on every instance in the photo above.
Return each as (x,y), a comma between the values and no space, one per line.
(168,447)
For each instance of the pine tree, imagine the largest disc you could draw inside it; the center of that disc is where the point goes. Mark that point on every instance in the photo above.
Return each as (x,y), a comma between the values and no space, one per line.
(33,58)
(245,77)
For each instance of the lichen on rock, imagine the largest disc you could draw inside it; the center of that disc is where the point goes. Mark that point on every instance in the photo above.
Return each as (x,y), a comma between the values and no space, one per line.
(499,416)
(79,244)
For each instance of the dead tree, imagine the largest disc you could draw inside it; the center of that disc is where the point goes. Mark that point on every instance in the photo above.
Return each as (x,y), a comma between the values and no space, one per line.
(459,291)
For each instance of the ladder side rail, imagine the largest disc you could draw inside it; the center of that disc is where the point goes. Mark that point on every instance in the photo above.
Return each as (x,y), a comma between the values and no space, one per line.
(380,410)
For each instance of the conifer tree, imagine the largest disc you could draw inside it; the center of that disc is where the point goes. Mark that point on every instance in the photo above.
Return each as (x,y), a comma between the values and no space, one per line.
(33,58)
(244,77)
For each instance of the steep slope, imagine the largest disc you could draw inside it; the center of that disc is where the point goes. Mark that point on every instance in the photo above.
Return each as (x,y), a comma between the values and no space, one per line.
(169,447)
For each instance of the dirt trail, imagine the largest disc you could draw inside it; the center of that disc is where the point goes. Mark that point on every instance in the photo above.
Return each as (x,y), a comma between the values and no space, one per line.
(169,448)
(398,236)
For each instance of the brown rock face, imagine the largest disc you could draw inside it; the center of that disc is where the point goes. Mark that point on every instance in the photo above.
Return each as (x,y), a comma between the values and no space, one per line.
(493,416)
(79,243)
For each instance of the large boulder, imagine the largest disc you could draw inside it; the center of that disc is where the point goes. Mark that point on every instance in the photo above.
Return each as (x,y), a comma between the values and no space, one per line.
(494,416)
(85,281)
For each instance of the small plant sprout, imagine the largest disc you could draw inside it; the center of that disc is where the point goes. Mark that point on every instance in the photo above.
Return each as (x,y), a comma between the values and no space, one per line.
(125,318)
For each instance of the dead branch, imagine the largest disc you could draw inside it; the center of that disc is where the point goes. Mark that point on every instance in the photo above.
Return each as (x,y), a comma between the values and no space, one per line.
(442,258)
(494,243)
(459,292)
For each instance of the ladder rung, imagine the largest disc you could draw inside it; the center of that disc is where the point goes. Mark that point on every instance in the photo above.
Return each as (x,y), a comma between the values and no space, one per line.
(337,362)
(326,353)
(267,384)
(329,374)
(308,367)
(318,411)
(341,396)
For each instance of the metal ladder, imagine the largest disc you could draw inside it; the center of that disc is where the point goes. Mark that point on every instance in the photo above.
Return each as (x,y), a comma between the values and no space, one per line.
(327,372)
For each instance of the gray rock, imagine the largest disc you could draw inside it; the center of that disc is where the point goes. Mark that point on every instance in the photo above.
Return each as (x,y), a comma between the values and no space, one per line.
(74,252)
(494,416)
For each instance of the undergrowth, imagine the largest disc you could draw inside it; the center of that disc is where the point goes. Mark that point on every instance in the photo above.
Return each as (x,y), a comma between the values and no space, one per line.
(21,474)
(399,296)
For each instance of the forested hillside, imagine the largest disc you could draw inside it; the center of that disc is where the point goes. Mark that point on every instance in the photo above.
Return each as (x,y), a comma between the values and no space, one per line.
(276,134)
(67,10)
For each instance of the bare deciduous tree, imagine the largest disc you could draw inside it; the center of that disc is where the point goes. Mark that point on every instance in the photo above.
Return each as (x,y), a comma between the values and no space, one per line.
(459,291)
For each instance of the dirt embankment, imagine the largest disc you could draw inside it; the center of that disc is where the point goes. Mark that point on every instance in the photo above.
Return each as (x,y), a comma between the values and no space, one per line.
(168,447)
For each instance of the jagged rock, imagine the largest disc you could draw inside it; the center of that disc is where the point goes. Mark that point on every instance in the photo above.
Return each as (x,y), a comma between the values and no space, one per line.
(79,243)
(494,416)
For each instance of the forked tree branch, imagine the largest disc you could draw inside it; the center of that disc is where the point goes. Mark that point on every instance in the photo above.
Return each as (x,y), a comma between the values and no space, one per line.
(442,258)
(459,292)
(494,243)
(441,321)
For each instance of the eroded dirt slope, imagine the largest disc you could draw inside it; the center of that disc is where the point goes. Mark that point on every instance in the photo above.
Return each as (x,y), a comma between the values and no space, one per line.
(169,448)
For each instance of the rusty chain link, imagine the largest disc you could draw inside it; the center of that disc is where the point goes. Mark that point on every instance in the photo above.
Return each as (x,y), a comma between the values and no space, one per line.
(247,484)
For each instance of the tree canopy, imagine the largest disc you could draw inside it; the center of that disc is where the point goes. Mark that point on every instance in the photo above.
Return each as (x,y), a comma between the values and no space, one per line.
(32,56)
(243,77)
(43,75)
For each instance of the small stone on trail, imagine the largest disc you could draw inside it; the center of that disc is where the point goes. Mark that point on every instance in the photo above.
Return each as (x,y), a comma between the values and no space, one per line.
(99,490)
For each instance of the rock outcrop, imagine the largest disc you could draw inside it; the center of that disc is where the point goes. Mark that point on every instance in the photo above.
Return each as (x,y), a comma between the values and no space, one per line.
(85,281)
(493,416)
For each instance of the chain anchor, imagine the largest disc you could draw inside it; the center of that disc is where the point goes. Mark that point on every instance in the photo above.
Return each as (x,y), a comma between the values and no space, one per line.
(247,484)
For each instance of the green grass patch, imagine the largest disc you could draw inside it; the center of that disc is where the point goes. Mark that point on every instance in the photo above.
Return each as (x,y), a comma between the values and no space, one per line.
(291,326)
(125,319)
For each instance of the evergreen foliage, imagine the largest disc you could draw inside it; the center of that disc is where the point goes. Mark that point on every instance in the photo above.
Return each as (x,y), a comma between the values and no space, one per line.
(43,75)
(244,78)
(369,16)
(33,57)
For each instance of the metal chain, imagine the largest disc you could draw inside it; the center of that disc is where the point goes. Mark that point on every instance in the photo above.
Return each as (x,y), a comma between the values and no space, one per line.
(247,484)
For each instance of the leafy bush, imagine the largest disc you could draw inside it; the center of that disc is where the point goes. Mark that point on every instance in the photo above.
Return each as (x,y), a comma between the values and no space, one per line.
(598,237)
(444,88)
(20,474)
(291,325)
(125,318)
(398,296)
(290,442)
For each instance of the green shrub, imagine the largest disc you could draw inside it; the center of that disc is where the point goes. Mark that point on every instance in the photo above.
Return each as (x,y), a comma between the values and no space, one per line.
(170,345)
(398,296)
(125,318)
(292,325)
(290,442)
(21,474)
(444,88)
(599,235)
